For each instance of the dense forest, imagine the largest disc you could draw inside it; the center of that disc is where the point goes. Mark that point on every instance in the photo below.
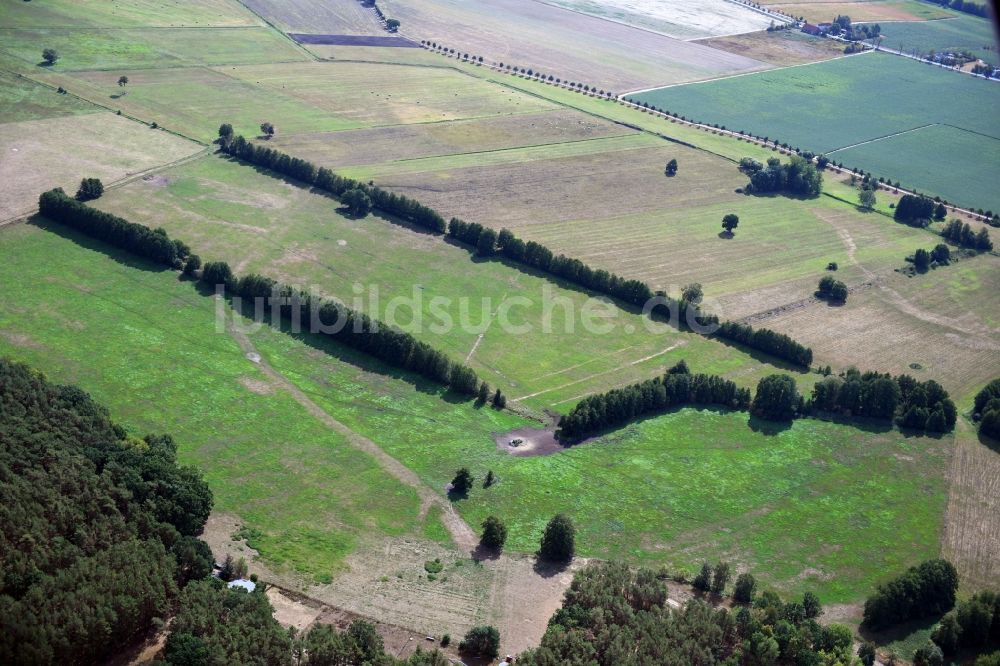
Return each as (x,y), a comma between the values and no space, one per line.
(613,616)
(97,526)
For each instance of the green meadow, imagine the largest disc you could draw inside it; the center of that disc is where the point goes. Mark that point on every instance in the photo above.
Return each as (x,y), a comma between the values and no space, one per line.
(815,506)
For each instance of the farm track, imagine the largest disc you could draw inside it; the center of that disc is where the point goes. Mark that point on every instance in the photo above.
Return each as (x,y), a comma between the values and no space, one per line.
(463,535)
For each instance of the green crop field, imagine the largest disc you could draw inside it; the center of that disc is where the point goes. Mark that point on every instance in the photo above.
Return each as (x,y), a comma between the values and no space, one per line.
(818,506)
(829,106)
(23,99)
(946,173)
(961,32)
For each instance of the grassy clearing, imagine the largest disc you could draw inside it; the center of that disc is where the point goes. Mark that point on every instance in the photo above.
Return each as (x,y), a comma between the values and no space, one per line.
(817,506)
(260,223)
(132,14)
(58,152)
(958,32)
(569,45)
(824,120)
(145,344)
(23,99)
(129,49)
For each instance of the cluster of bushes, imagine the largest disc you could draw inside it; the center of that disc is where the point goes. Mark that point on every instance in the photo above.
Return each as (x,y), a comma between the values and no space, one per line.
(676,387)
(987,410)
(143,241)
(832,289)
(924,590)
(322,178)
(914,404)
(927,259)
(972,626)
(97,526)
(354,329)
(914,210)
(612,614)
(90,188)
(778,345)
(488,243)
(961,233)
(799,176)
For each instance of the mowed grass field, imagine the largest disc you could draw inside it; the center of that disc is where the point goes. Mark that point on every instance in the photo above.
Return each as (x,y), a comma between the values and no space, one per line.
(566,44)
(814,108)
(958,32)
(58,151)
(230,212)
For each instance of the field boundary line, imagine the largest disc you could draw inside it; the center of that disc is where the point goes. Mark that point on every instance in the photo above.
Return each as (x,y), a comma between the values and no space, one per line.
(268,24)
(506,150)
(880,138)
(602,373)
(482,335)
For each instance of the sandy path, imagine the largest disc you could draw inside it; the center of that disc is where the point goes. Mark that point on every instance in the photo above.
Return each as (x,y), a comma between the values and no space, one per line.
(463,535)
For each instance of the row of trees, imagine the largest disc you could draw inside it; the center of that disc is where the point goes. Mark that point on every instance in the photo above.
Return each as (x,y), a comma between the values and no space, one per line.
(913,404)
(778,345)
(613,615)
(961,234)
(349,327)
(487,243)
(798,176)
(974,8)
(389,202)
(136,238)
(677,387)
(97,526)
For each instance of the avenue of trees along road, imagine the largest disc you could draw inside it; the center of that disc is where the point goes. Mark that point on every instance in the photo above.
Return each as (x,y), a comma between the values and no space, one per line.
(486,242)
(910,403)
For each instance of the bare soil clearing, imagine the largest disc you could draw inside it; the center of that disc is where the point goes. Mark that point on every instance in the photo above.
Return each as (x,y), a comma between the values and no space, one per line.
(889,10)
(328,16)
(529,442)
(780,48)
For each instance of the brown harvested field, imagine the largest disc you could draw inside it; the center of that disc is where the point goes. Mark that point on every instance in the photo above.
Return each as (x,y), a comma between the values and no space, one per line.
(877,10)
(386,94)
(563,43)
(346,17)
(57,152)
(377,54)
(780,48)
(405,142)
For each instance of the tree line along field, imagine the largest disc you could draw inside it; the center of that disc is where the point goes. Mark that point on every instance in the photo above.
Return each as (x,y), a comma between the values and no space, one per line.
(259,223)
(250,438)
(809,107)
(817,11)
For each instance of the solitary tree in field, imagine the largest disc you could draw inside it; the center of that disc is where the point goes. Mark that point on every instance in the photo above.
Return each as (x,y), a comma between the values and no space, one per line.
(122,81)
(671,169)
(392,25)
(50,56)
(558,542)
(494,533)
(267,129)
(499,400)
(866,197)
(462,482)
(225,131)
(730,222)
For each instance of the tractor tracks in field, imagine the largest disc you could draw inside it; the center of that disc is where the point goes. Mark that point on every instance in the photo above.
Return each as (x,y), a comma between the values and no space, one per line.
(463,535)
